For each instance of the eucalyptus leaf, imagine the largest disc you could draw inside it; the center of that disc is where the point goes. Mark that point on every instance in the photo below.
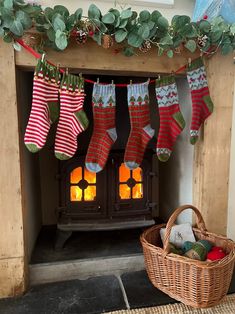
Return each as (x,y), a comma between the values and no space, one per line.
(78,14)
(162,22)
(58,24)
(17,28)
(94,12)
(117,21)
(151,24)
(215,36)
(128,51)
(32,10)
(8,4)
(134,39)
(204,26)
(49,12)
(226,49)
(123,23)
(125,14)
(115,12)
(51,34)
(71,21)
(1,31)
(160,51)
(144,16)
(232,28)
(166,40)
(108,18)
(191,45)
(155,16)
(8,21)
(98,38)
(120,35)
(170,53)
(63,11)
(24,19)
(61,40)
(143,31)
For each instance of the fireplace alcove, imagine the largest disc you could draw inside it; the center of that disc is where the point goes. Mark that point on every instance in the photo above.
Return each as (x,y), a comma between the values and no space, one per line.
(52,187)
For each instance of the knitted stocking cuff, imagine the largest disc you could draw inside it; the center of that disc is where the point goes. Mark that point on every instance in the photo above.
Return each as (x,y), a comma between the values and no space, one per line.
(138,94)
(45,71)
(104,95)
(196,75)
(72,83)
(166,92)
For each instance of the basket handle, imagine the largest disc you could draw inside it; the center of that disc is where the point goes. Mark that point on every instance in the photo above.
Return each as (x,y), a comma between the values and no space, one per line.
(200,224)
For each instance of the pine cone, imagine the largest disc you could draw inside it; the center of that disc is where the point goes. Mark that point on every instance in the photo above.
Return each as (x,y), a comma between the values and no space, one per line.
(107,41)
(81,37)
(145,47)
(32,39)
(201,41)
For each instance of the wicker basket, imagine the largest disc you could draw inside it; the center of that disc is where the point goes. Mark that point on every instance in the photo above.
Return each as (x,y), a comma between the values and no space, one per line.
(195,283)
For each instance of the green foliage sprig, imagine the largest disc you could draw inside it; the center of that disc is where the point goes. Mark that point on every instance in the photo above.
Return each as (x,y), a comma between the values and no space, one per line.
(127,27)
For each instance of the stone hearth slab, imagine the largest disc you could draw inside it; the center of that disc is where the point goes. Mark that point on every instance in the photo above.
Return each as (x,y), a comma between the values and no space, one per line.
(95,295)
(141,293)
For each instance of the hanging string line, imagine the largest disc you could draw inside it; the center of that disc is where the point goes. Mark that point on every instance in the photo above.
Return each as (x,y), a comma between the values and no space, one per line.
(38,56)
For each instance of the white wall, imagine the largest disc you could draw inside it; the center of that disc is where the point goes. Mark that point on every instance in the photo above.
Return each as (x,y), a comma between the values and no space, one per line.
(176,175)
(231,196)
(184,7)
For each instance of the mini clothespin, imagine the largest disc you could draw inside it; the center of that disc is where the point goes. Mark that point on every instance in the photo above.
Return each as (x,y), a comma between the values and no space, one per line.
(172,73)
(189,61)
(130,82)
(112,82)
(67,71)
(43,56)
(148,80)
(98,80)
(58,66)
(80,75)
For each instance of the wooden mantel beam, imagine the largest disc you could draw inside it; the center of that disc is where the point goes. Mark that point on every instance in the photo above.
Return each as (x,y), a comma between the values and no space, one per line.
(91,58)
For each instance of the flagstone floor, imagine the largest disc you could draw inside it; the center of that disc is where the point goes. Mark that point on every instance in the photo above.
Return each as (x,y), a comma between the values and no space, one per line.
(91,296)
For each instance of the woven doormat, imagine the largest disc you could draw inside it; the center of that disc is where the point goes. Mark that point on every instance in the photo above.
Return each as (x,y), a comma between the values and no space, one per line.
(227,306)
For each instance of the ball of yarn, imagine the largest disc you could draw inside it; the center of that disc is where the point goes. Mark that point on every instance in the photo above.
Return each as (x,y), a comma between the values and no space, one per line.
(207,245)
(174,249)
(216,254)
(187,246)
(197,252)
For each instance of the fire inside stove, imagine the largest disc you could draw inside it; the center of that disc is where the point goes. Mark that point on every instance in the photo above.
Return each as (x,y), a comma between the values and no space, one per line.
(83,184)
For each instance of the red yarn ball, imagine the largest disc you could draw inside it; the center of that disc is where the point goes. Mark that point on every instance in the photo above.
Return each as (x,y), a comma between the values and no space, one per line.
(216,253)
(205,17)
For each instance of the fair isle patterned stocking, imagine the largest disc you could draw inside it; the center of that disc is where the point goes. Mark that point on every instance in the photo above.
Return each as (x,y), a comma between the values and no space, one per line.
(171,119)
(104,131)
(72,119)
(201,101)
(141,131)
(45,105)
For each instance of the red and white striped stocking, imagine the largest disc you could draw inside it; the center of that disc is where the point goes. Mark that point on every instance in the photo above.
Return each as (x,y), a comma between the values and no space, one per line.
(45,106)
(72,119)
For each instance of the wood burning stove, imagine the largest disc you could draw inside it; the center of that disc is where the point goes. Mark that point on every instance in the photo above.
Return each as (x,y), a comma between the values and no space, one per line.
(115,198)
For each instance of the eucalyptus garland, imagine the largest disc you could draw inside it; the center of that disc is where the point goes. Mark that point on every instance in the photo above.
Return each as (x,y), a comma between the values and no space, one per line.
(56,27)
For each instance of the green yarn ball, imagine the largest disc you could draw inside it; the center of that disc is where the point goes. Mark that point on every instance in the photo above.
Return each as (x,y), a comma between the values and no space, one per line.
(197,252)
(206,244)
(175,250)
(187,246)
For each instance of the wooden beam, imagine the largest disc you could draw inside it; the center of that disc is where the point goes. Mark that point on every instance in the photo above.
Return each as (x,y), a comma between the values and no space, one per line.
(91,58)
(212,153)
(12,251)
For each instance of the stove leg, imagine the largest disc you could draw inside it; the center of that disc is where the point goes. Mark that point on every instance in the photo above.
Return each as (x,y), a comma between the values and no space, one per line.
(61,237)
